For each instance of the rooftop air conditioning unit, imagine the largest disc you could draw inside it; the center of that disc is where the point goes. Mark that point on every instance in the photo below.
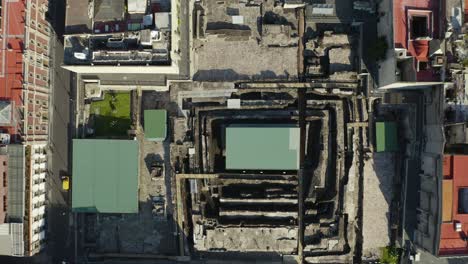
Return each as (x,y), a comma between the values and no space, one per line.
(80,55)
(438,61)
(400,53)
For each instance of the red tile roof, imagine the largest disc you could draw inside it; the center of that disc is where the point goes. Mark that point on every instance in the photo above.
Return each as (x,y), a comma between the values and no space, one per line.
(11,55)
(452,242)
(400,18)
(402,9)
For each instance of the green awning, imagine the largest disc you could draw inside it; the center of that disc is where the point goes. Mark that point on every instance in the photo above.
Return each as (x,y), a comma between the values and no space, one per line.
(386,136)
(105,176)
(155,124)
(262,147)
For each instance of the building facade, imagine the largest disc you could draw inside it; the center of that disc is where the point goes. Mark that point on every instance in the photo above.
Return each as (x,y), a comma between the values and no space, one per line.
(36,72)
(417,38)
(24,123)
(35,175)
(129,39)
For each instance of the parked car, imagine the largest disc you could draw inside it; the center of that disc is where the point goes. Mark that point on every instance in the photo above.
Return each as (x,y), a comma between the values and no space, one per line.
(65,183)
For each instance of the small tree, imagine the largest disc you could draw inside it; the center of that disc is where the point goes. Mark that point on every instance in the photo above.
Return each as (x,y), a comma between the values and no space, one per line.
(390,255)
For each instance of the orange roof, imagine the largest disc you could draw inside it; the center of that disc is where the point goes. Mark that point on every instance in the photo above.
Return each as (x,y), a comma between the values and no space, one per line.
(452,242)
(11,55)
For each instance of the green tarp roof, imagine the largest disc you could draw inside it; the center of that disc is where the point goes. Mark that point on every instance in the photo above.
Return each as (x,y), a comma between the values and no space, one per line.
(386,136)
(105,176)
(155,124)
(262,147)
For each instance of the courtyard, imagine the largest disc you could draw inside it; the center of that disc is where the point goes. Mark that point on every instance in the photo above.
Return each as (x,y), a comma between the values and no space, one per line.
(110,117)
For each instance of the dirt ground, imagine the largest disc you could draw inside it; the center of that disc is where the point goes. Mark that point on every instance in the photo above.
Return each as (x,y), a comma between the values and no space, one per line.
(379,172)
(152,230)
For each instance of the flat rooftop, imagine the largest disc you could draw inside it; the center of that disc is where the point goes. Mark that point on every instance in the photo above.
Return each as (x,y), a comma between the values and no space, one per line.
(105,176)
(109,10)
(454,206)
(262,147)
(220,39)
(327,10)
(77,17)
(103,32)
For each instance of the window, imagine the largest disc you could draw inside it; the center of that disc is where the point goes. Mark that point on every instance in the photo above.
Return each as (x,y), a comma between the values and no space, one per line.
(0,17)
(38,193)
(39,204)
(38,230)
(419,27)
(463,201)
(423,66)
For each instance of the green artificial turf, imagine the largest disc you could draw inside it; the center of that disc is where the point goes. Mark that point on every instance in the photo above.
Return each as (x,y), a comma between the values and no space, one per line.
(112,115)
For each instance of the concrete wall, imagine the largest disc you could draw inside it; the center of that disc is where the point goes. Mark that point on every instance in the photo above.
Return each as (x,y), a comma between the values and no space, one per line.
(140,69)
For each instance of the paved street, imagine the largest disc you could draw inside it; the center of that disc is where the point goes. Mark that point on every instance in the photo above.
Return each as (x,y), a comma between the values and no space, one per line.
(60,237)
(58,217)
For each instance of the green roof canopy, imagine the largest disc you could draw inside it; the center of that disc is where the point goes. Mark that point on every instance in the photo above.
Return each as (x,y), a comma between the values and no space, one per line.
(262,147)
(155,124)
(105,176)
(386,136)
